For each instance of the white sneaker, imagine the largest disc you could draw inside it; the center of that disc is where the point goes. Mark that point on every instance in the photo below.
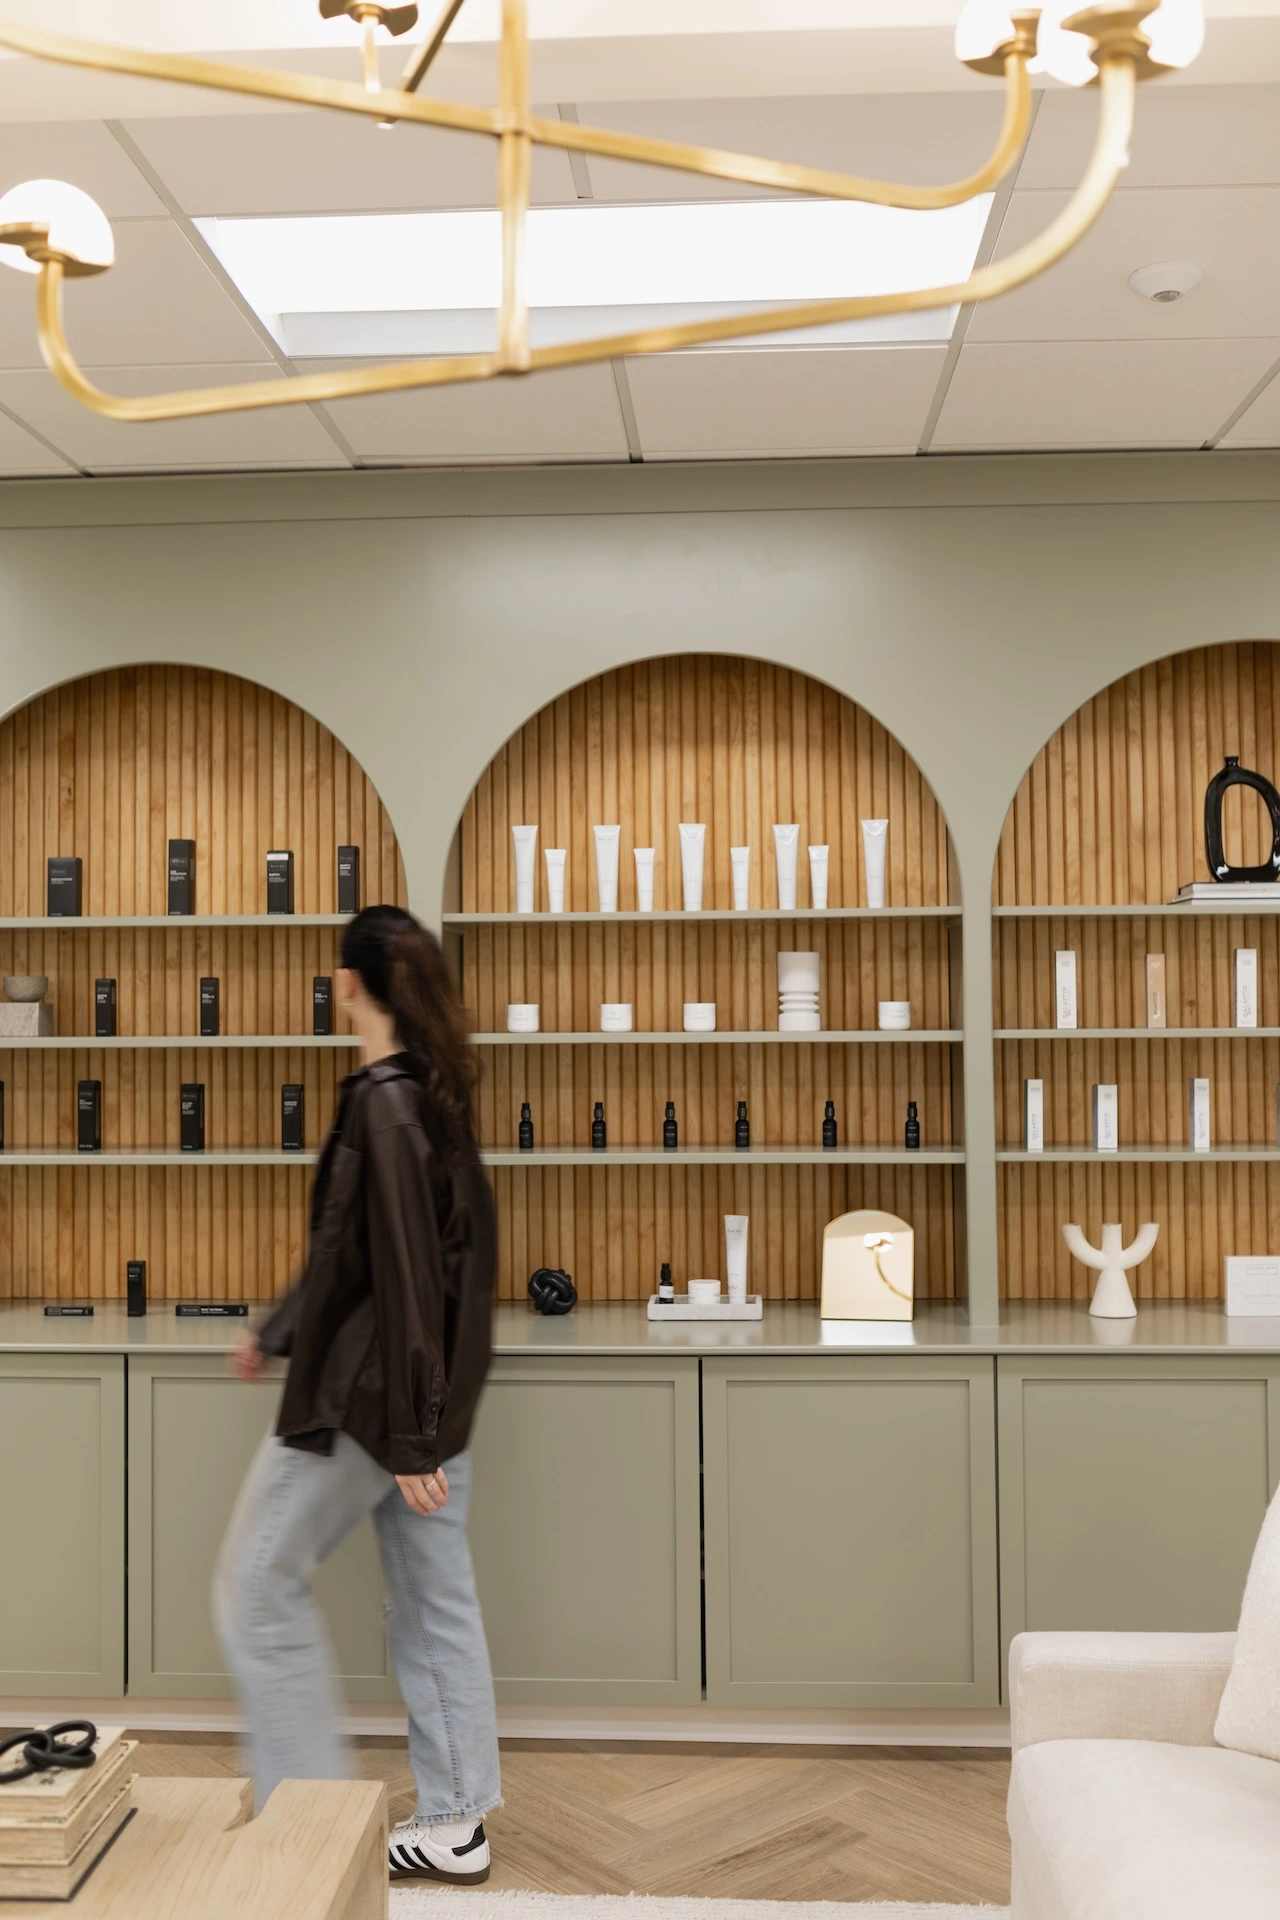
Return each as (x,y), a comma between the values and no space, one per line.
(452,1850)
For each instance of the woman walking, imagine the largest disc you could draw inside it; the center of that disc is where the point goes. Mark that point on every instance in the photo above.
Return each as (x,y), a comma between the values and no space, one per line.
(388,1338)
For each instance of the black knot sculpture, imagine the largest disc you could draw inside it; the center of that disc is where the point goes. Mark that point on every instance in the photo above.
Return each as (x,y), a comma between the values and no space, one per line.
(552,1290)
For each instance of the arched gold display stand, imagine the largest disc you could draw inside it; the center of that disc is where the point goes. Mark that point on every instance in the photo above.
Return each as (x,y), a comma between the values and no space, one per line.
(1108,823)
(737,745)
(110,768)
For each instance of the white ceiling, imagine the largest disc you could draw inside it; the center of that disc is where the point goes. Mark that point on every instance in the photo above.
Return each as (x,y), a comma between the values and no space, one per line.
(1075,360)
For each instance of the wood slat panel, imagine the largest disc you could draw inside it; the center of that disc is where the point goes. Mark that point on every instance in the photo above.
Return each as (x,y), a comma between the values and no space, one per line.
(737,745)
(1112,812)
(113,767)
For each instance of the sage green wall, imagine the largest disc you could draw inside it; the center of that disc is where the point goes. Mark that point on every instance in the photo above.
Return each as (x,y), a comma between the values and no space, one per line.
(970,604)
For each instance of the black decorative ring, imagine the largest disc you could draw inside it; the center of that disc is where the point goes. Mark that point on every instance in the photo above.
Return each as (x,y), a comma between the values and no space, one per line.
(552,1290)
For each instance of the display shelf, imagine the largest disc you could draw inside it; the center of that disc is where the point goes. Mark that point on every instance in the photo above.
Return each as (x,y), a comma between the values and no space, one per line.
(155,1157)
(65,923)
(724,1157)
(1190,910)
(1135,1156)
(857,1036)
(743,917)
(1137,1033)
(124,1042)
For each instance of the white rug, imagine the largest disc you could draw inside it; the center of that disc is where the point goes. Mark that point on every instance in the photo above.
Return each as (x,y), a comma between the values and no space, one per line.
(422,1901)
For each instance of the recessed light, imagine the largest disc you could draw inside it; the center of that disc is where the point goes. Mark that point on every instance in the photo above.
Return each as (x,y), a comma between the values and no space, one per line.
(1168,281)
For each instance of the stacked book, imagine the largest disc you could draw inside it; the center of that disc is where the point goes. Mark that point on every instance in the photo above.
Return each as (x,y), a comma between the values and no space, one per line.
(56,1825)
(1245,893)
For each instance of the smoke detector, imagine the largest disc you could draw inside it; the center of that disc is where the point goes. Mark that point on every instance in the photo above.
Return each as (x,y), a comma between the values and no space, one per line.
(1167,281)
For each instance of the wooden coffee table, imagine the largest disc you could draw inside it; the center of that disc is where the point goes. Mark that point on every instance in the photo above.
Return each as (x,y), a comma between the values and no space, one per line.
(191,1851)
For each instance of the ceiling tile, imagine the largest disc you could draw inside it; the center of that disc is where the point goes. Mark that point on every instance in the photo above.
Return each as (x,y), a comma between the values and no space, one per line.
(21,453)
(158,305)
(1259,426)
(1184,136)
(81,152)
(569,415)
(1087,295)
(1121,393)
(330,163)
(280,436)
(916,138)
(791,401)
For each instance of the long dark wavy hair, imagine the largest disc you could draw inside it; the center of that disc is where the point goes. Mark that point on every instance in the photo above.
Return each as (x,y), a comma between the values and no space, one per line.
(404,969)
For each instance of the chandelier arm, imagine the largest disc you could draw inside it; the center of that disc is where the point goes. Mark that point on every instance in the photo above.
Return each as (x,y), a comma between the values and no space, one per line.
(789,178)
(295,89)
(1117,83)
(421,58)
(515,179)
(250,395)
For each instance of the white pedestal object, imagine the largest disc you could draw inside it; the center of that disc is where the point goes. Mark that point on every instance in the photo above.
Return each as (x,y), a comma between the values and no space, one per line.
(23,1019)
(1112,1299)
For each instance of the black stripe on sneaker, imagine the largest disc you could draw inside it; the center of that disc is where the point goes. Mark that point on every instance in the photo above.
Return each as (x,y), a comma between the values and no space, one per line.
(476,1840)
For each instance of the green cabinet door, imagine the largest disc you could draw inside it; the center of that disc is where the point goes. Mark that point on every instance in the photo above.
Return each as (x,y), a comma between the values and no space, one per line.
(850,1532)
(584,1529)
(1132,1489)
(192,1434)
(61,1525)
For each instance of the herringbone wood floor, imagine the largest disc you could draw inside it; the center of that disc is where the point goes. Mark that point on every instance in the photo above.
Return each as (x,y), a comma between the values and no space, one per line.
(763,1823)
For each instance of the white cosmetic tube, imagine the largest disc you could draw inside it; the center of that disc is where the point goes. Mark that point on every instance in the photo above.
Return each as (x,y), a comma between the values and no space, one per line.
(554,857)
(785,841)
(875,834)
(693,837)
(818,862)
(644,878)
(526,845)
(607,839)
(740,861)
(735,1256)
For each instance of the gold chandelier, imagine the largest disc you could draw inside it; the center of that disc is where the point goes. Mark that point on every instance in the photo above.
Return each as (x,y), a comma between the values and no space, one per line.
(57,232)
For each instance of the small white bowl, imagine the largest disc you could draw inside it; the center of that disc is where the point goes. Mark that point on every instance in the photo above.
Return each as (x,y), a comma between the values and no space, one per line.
(704,1293)
(616,1016)
(894,1016)
(699,1016)
(522,1016)
(799,1023)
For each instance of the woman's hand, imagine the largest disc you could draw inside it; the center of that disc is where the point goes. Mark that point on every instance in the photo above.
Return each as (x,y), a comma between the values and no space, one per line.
(425,1492)
(246,1359)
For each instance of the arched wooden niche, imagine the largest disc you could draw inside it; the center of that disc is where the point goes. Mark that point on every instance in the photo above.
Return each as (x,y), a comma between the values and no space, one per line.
(738,745)
(110,767)
(1110,817)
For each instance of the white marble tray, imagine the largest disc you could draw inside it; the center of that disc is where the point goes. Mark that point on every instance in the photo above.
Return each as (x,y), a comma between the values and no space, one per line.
(682,1308)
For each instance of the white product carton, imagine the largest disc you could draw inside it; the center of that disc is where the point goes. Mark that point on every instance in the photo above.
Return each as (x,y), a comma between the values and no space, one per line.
(1198,1124)
(1106,1119)
(1064,988)
(1033,1116)
(1252,1284)
(1246,971)
(1157,1003)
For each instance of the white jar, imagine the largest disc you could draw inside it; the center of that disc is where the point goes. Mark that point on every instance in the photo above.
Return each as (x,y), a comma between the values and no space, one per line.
(522,1016)
(894,1015)
(616,1016)
(704,1293)
(699,1016)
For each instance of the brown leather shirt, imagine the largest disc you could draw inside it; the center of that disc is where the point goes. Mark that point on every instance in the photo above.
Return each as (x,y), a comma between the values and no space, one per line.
(388,1329)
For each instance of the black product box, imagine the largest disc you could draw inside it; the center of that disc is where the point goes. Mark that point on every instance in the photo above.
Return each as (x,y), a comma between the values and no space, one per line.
(68,1312)
(89,1116)
(348,879)
(322,1004)
(211,1309)
(210,1008)
(135,1287)
(104,1009)
(66,879)
(182,876)
(279,882)
(291,1117)
(191,1137)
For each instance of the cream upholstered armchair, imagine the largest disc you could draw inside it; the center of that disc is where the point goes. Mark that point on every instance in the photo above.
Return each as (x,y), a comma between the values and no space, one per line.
(1121,1804)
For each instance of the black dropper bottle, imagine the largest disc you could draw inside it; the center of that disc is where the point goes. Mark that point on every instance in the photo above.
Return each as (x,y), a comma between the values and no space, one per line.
(666,1289)
(597,1128)
(670,1131)
(526,1128)
(742,1127)
(911,1138)
(830,1136)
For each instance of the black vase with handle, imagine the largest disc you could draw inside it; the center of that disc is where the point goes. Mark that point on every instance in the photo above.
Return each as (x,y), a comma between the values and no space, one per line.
(1234,775)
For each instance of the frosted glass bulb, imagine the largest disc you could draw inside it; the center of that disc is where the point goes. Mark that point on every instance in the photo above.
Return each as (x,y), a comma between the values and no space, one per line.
(983,26)
(1176,32)
(79,231)
(1067,56)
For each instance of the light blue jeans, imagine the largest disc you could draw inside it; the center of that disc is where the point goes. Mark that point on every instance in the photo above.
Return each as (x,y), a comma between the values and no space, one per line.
(294,1510)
